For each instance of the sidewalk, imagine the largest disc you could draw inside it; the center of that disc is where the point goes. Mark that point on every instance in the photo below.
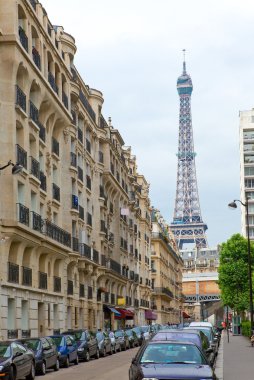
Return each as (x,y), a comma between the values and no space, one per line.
(238,358)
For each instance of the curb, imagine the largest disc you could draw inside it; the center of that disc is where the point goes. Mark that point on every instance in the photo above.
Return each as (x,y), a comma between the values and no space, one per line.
(219,360)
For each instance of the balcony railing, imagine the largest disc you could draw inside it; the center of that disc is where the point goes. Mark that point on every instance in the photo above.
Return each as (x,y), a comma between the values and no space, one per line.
(42,132)
(103,226)
(85,250)
(80,174)
(88,182)
(55,146)
(90,293)
(36,57)
(87,106)
(80,135)
(35,167)
(75,244)
(57,233)
(101,157)
(37,221)
(81,290)
(43,180)
(113,299)
(23,214)
(20,98)
(33,112)
(65,100)
(55,192)
(95,256)
(23,38)
(21,156)
(26,276)
(115,266)
(43,280)
(81,212)
(12,334)
(57,284)
(73,159)
(106,297)
(70,287)
(136,278)
(165,291)
(132,275)
(136,303)
(74,202)
(13,273)
(88,146)
(103,261)
(52,82)
(89,219)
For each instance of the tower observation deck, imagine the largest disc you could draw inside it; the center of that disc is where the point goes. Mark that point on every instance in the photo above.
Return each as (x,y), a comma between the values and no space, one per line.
(187,225)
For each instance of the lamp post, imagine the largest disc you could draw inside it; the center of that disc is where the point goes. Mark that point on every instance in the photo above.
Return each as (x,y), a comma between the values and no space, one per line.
(246,205)
(16,168)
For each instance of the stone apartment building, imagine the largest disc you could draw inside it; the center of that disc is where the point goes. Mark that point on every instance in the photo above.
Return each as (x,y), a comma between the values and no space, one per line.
(75,224)
(166,268)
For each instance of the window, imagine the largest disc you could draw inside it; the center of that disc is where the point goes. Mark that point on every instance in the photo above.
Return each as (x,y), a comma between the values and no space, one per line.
(248,159)
(248,135)
(249,183)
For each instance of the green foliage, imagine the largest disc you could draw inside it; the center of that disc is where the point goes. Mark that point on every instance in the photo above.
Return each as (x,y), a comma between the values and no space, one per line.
(246,330)
(233,273)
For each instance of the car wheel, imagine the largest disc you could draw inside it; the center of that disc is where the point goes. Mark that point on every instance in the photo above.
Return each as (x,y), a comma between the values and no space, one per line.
(31,375)
(12,375)
(97,356)
(87,356)
(76,361)
(57,365)
(43,369)
(67,362)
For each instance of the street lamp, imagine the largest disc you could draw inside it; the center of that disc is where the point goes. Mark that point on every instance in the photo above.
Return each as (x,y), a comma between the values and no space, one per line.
(16,168)
(246,205)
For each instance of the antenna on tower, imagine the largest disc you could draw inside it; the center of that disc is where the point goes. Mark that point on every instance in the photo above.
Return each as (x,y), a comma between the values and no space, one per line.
(184,64)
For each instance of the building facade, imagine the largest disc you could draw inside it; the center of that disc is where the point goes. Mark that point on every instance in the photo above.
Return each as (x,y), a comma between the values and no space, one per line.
(247,169)
(75,224)
(166,268)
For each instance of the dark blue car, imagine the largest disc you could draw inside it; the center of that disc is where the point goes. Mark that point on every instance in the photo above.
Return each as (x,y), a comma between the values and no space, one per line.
(170,360)
(67,349)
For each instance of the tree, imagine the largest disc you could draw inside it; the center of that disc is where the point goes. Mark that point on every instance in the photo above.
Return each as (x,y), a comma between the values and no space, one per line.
(233,273)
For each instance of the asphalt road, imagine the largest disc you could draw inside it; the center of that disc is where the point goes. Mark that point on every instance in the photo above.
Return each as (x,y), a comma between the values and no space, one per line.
(108,368)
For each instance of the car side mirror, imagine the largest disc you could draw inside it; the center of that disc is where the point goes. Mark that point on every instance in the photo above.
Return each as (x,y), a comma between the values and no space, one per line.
(134,361)
(209,350)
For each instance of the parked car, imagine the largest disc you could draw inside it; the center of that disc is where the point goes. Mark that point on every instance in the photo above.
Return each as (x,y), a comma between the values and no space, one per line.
(104,343)
(146,331)
(86,342)
(46,354)
(213,341)
(139,334)
(16,361)
(115,342)
(123,339)
(67,349)
(168,359)
(133,339)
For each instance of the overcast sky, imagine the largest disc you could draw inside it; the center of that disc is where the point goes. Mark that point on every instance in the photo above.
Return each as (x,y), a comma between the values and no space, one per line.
(132,52)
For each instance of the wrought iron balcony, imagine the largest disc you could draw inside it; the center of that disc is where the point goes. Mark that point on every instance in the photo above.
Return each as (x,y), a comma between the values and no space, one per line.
(85,250)
(103,261)
(136,278)
(101,157)
(37,221)
(23,38)
(164,291)
(43,280)
(103,226)
(87,106)
(90,293)
(65,100)
(75,244)
(82,290)
(35,167)
(131,249)
(25,333)
(56,192)
(20,98)
(115,266)
(13,273)
(57,233)
(73,159)
(136,303)
(42,132)
(88,182)
(89,219)
(55,146)
(88,146)
(74,202)
(21,156)
(74,117)
(81,212)
(57,284)
(43,180)
(70,287)
(132,275)
(26,276)
(106,297)
(33,112)
(52,82)
(80,174)
(36,57)
(113,299)
(23,214)
(95,256)
(80,135)
(12,334)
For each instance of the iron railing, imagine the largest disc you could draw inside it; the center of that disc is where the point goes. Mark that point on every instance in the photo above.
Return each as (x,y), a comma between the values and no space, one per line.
(52,82)
(55,192)
(55,146)
(73,159)
(115,266)
(21,156)
(85,250)
(57,284)
(87,106)
(35,167)
(95,256)
(80,135)
(23,214)
(88,146)
(37,222)
(70,287)
(75,244)
(164,291)
(57,233)
(23,38)
(43,180)
(81,290)
(42,131)
(43,280)
(65,100)
(80,174)
(12,334)
(88,182)
(26,276)
(89,219)
(90,292)
(13,273)
(33,112)
(81,212)
(20,98)
(36,57)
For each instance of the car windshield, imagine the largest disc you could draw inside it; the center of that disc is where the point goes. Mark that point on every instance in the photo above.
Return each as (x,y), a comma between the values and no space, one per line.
(59,340)
(145,328)
(137,330)
(129,332)
(180,337)
(118,333)
(32,344)
(172,353)
(5,350)
(206,331)
(99,336)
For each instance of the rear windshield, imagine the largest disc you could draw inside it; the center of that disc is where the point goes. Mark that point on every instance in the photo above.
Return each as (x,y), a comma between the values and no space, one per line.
(136,330)
(58,340)
(145,329)
(5,350)
(118,333)
(100,336)
(180,337)
(32,344)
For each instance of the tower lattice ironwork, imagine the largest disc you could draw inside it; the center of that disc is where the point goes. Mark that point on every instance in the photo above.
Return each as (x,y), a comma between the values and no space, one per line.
(187,225)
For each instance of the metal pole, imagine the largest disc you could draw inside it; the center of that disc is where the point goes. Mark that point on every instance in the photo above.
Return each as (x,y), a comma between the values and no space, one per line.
(227,325)
(249,267)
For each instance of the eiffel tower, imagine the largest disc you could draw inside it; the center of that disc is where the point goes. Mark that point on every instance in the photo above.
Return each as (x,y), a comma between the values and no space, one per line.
(187,225)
